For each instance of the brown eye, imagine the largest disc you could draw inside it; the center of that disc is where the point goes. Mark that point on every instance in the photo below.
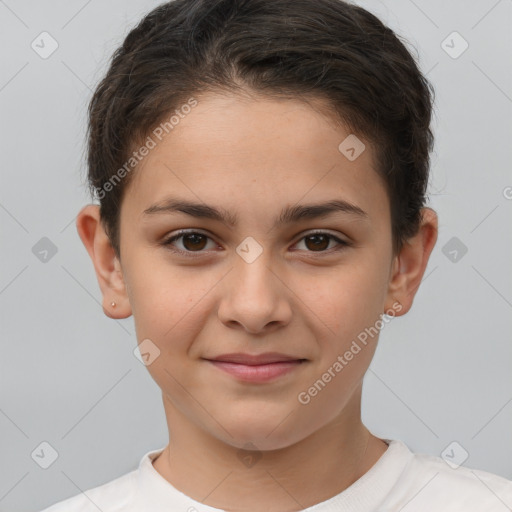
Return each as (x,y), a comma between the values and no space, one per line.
(320,241)
(194,241)
(317,242)
(191,241)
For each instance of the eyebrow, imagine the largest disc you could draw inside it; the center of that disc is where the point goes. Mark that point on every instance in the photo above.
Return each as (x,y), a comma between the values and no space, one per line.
(289,214)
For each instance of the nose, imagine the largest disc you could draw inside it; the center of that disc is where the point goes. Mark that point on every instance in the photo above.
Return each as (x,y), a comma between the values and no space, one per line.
(255,297)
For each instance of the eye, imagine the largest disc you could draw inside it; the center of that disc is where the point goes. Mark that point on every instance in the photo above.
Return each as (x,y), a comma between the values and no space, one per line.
(195,242)
(318,241)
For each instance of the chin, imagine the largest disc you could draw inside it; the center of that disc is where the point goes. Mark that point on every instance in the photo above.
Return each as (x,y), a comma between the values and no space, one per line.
(261,433)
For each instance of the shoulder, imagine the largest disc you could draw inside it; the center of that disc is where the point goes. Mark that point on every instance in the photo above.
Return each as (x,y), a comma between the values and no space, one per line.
(430,483)
(112,496)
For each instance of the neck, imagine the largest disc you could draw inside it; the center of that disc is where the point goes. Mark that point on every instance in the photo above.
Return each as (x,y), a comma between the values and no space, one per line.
(291,478)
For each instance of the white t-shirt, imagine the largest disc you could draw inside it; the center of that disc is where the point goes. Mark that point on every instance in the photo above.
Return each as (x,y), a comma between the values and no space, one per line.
(399,481)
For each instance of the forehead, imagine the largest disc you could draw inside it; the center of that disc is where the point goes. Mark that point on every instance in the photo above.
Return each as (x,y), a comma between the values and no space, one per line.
(257,154)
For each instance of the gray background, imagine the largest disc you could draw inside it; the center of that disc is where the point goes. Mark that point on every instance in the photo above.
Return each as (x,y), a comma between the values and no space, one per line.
(68,376)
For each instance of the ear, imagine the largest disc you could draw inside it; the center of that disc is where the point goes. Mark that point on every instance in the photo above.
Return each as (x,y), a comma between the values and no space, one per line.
(409,266)
(106,264)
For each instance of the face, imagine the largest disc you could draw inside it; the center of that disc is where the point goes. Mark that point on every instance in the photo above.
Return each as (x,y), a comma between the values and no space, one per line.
(303,286)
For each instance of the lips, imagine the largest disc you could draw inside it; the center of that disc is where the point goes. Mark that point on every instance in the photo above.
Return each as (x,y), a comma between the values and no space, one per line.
(253,360)
(257,368)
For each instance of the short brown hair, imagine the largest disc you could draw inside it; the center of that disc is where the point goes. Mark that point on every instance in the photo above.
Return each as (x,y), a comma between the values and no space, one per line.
(328,49)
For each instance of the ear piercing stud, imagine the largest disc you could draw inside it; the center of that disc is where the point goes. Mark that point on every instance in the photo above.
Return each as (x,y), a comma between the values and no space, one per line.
(113,304)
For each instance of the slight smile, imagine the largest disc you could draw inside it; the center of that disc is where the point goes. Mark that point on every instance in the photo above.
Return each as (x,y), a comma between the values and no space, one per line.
(256,368)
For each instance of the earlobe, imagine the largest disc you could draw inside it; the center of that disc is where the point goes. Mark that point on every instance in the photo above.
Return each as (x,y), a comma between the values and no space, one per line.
(106,264)
(409,266)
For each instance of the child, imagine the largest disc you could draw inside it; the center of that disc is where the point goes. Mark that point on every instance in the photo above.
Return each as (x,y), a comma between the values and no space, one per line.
(290,140)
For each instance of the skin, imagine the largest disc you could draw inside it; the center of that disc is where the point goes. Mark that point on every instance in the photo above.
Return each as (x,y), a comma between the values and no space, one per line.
(253,156)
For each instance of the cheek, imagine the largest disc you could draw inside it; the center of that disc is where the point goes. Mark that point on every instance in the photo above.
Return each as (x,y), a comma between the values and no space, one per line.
(347,300)
(169,310)
(168,303)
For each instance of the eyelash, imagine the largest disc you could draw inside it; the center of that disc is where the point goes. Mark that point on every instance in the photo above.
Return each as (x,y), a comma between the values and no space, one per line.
(168,242)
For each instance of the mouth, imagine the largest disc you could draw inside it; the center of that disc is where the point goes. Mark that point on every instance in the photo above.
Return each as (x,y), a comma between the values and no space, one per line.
(257,368)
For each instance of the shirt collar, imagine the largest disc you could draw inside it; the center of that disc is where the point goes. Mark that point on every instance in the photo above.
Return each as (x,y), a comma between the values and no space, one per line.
(364,495)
